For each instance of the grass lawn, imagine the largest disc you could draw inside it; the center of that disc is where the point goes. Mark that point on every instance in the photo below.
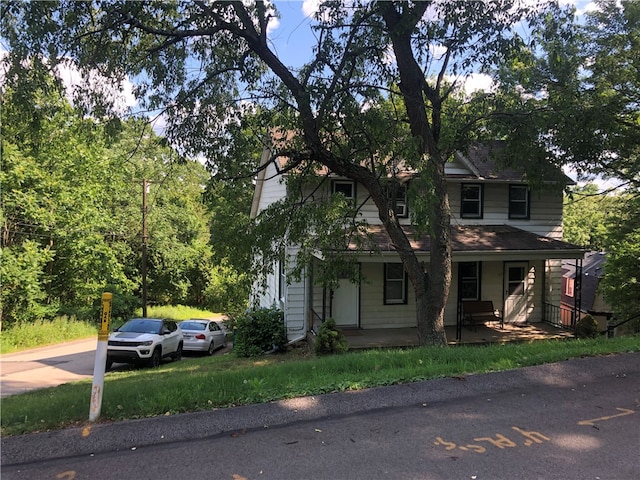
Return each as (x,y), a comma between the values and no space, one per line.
(225,380)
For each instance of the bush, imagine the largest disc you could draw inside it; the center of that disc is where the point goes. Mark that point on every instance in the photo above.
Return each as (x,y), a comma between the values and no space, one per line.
(330,339)
(259,331)
(587,327)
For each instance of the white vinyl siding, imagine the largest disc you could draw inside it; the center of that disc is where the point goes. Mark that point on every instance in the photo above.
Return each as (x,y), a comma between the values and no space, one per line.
(545,210)
(373,312)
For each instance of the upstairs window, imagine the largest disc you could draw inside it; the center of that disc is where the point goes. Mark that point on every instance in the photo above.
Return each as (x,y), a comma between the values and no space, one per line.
(395,284)
(471,200)
(400,201)
(519,201)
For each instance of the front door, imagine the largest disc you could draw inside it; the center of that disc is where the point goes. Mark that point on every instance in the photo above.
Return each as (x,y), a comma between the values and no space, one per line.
(345,303)
(516,292)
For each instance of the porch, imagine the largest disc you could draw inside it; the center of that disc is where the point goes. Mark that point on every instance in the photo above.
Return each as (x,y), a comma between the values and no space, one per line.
(483,334)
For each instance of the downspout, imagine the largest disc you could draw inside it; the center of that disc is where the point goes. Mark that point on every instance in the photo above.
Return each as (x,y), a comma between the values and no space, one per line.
(303,335)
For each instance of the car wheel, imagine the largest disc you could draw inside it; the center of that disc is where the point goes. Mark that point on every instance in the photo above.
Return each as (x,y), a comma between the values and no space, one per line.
(178,355)
(212,347)
(156,358)
(108,365)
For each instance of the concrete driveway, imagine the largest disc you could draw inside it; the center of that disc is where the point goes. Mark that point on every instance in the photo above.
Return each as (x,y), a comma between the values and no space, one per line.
(47,366)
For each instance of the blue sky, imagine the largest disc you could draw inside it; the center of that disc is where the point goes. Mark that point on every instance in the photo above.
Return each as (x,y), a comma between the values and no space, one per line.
(293,40)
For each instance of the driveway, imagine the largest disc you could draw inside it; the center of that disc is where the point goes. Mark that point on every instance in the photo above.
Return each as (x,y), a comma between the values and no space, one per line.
(47,366)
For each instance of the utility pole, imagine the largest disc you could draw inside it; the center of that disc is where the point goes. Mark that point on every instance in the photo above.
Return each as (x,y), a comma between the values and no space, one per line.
(144,248)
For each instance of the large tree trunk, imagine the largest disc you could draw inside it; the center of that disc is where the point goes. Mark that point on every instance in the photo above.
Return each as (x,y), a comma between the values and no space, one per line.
(431,288)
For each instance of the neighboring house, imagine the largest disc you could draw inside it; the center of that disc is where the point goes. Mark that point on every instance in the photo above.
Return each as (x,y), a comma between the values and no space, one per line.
(506,247)
(584,296)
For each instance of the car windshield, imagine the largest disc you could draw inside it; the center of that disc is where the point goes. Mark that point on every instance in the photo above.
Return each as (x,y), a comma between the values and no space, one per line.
(192,326)
(142,326)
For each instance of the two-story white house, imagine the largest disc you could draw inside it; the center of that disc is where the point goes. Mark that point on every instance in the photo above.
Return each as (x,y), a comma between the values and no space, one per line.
(507,248)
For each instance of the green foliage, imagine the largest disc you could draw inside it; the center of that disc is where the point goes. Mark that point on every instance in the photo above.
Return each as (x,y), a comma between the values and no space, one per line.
(176,312)
(572,96)
(258,331)
(226,380)
(24,283)
(621,283)
(227,290)
(72,192)
(330,339)
(585,216)
(587,327)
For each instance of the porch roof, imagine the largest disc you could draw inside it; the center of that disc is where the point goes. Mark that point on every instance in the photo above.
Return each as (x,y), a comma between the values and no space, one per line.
(479,239)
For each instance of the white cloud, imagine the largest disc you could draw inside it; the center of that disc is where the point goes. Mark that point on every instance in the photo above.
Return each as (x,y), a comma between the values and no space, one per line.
(478,82)
(310,7)
(121,94)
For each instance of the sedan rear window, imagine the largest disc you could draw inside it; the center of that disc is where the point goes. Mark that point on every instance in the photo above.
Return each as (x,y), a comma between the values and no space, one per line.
(192,326)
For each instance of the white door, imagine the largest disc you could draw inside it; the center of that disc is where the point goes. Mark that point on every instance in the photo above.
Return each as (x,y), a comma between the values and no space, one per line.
(345,304)
(516,292)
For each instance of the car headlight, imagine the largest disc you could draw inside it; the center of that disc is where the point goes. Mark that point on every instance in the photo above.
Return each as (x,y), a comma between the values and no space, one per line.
(147,343)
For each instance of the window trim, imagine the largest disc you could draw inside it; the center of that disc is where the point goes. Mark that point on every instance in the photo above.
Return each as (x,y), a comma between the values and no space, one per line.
(282,279)
(404,282)
(526,201)
(351,183)
(479,201)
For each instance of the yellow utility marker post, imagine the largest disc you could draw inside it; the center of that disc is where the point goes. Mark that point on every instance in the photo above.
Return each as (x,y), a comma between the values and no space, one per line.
(101,358)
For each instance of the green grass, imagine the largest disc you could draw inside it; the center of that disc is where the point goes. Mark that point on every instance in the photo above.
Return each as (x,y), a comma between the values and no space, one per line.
(176,312)
(45,332)
(40,333)
(225,380)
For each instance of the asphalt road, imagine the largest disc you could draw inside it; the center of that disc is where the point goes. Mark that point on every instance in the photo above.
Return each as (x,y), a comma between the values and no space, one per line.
(578,419)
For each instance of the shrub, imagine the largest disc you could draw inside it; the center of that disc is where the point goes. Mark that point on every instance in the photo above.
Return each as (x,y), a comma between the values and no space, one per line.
(330,339)
(259,331)
(587,327)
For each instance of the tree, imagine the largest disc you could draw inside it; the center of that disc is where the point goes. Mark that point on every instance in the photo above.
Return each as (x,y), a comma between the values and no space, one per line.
(577,95)
(209,63)
(586,216)
(71,221)
(622,270)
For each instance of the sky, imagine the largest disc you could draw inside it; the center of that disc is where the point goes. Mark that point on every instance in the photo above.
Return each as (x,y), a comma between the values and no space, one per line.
(293,40)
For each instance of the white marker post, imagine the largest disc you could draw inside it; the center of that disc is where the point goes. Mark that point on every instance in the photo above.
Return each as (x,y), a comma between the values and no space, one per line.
(101,358)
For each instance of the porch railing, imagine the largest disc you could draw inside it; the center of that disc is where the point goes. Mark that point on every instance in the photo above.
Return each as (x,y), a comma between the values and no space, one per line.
(560,316)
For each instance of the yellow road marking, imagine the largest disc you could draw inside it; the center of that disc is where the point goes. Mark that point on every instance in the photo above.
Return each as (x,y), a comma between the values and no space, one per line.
(625,411)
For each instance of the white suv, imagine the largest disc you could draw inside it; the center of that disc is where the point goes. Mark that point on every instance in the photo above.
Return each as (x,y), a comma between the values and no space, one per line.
(145,340)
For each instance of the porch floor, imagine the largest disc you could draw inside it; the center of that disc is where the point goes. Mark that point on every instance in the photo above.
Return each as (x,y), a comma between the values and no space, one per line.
(483,334)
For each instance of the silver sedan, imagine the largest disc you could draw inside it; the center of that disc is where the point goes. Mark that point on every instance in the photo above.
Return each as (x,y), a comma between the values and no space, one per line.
(203,335)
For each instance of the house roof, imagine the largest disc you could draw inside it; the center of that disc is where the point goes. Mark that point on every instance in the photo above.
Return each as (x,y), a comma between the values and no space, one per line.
(480,239)
(481,162)
(592,266)
(592,271)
